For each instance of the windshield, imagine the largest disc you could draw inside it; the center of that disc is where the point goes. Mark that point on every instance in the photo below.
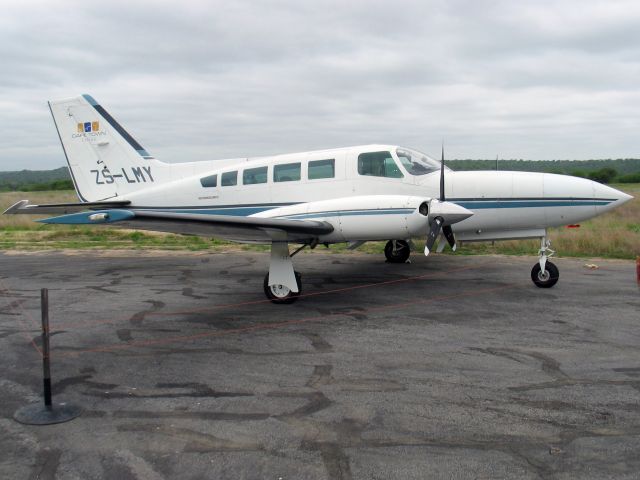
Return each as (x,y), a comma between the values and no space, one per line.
(417,163)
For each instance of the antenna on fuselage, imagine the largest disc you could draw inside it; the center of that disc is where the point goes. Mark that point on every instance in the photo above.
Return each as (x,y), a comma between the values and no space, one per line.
(442,196)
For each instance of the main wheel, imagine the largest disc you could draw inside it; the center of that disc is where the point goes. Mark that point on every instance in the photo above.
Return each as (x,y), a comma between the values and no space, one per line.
(399,254)
(280,293)
(546,279)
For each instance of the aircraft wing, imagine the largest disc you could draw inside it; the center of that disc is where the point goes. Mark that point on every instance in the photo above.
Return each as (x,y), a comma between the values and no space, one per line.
(238,228)
(229,226)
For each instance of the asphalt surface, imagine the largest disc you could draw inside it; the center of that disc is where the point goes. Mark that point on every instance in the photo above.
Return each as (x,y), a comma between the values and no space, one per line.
(448,367)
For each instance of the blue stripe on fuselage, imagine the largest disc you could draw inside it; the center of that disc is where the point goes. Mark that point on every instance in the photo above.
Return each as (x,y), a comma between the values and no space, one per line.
(508,203)
(469,203)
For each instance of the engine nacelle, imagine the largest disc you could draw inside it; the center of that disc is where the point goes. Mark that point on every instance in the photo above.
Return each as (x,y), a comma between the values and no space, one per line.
(367,217)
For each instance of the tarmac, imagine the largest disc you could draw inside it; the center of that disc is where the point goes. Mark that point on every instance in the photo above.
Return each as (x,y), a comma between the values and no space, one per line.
(450,367)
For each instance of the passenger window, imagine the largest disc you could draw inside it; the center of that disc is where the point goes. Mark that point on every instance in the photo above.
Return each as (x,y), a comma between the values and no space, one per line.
(229,179)
(378,164)
(251,176)
(210,181)
(288,172)
(321,169)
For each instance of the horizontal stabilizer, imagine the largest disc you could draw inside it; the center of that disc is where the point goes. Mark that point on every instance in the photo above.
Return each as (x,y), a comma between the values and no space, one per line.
(24,207)
(91,217)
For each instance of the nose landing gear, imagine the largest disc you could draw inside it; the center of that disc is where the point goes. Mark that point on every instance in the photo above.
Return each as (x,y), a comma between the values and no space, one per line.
(397,251)
(545,274)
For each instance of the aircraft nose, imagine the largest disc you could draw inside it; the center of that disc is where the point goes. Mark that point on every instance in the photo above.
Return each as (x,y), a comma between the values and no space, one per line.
(613,198)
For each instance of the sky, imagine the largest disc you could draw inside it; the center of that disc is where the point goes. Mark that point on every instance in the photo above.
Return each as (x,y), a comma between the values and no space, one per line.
(200,80)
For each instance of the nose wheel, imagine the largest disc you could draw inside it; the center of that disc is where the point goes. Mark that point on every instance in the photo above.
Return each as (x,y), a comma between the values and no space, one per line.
(546,278)
(397,251)
(545,274)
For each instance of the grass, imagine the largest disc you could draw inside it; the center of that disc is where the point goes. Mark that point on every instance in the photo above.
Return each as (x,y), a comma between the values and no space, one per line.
(613,235)
(23,233)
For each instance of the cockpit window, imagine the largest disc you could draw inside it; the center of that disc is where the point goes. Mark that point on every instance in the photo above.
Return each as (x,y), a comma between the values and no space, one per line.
(416,163)
(378,164)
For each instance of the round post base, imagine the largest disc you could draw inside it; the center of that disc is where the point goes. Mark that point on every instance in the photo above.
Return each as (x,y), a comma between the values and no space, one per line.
(39,414)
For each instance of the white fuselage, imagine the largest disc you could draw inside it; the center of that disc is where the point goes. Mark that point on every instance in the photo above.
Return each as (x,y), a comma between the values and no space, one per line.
(505,204)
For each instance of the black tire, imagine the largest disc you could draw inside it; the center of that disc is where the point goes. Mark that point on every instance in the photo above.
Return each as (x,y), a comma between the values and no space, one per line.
(277,295)
(546,279)
(400,254)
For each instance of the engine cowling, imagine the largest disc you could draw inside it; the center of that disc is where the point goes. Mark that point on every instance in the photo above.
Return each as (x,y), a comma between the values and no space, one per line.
(367,217)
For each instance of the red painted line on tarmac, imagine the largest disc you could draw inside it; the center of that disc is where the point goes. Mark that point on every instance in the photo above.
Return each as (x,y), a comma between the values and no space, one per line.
(274,325)
(64,326)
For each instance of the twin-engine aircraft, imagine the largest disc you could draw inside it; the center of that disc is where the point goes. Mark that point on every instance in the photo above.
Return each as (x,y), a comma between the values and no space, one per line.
(354,194)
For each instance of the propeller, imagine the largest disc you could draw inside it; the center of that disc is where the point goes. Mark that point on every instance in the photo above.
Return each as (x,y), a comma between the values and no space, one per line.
(436,225)
(447,231)
(438,220)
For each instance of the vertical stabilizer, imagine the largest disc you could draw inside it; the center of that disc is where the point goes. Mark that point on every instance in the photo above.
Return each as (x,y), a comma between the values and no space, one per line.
(105,161)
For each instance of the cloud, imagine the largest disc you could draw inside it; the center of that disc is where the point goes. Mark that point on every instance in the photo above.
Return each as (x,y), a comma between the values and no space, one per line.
(201,80)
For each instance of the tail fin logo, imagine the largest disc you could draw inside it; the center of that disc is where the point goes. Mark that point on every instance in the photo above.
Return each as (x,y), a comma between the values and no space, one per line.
(88,129)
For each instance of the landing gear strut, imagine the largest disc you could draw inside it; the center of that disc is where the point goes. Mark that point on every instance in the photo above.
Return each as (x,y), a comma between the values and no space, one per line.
(282,284)
(544,273)
(397,251)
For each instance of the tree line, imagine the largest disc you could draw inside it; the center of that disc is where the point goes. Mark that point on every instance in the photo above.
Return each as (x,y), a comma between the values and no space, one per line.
(38,187)
(626,170)
(621,170)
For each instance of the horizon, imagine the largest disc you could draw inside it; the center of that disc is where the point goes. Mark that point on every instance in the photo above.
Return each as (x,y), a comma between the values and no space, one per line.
(535,79)
(449,160)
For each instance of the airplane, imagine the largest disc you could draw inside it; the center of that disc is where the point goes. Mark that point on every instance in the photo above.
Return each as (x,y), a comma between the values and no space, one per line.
(353,194)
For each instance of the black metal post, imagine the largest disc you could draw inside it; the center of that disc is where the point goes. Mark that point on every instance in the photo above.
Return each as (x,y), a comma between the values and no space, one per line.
(35,413)
(46,364)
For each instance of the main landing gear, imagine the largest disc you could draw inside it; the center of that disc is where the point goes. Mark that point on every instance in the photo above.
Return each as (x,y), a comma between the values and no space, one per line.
(282,284)
(544,273)
(397,251)
(282,293)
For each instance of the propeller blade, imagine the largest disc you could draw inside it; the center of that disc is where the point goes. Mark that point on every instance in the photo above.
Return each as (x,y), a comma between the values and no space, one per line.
(442,197)
(448,234)
(436,225)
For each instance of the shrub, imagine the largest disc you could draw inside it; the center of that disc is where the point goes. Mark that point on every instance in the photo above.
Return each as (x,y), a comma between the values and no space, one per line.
(42,187)
(604,175)
(630,178)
